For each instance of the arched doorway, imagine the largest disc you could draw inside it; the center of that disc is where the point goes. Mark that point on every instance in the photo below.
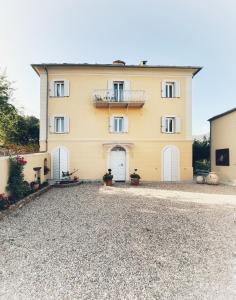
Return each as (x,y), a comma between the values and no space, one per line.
(59,162)
(170,163)
(117,163)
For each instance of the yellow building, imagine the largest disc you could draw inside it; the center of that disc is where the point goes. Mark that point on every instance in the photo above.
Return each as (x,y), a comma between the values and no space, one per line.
(99,116)
(223,146)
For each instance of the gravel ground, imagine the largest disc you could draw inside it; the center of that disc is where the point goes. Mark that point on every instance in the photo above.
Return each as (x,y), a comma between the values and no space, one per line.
(95,242)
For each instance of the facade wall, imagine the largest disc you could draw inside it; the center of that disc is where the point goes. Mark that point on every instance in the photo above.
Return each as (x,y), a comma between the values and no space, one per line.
(89,126)
(91,158)
(223,132)
(33,160)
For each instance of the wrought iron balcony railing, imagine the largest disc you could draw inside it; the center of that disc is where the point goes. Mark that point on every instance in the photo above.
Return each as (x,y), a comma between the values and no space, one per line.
(118,98)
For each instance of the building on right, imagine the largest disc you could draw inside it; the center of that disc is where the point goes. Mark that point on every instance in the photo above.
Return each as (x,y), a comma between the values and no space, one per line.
(223,146)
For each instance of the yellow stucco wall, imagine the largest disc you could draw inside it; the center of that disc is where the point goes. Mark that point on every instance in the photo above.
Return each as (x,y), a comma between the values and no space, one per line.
(89,128)
(33,160)
(223,135)
(91,158)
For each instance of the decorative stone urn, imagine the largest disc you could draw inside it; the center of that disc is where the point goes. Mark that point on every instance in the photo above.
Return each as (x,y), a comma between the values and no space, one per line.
(212,178)
(200,179)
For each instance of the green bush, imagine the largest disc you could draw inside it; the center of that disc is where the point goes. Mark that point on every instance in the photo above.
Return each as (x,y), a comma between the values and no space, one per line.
(202,165)
(16,187)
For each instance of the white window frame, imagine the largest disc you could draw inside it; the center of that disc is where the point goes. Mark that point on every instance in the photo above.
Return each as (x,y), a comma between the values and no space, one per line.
(61,85)
(168,121)
(120,95)
(120,125)
(170,87)
(59,118)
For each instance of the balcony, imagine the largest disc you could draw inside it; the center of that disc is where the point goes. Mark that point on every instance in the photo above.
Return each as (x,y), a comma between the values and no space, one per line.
(122,98)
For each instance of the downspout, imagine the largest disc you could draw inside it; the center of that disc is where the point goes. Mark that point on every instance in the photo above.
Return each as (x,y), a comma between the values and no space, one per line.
(46,71)
(210,149)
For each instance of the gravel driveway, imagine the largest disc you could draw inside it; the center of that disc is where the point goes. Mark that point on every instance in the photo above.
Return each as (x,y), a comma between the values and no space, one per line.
(95,242)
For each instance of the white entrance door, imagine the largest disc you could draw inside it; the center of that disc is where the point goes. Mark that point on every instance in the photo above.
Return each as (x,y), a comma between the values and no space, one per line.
(117,163)
(60,162)
(170,161)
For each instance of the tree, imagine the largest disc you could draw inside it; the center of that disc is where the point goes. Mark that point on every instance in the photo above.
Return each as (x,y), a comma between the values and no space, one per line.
(201,153)
(14,127)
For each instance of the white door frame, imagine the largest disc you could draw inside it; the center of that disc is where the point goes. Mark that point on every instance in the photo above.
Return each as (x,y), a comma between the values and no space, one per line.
(126,158)
(52,153)
(173,147)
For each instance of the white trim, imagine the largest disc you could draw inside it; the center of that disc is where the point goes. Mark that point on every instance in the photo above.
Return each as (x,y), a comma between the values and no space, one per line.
(43,111)
(188,109)
(51,158)
(162,160)
(126,158)
(147,74)
(109,140)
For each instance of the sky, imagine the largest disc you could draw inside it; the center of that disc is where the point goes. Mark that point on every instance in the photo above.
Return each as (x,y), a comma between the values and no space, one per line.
(164,32)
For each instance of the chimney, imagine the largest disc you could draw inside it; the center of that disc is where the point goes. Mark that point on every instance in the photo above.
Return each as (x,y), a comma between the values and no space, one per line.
(119,62)
(143,63)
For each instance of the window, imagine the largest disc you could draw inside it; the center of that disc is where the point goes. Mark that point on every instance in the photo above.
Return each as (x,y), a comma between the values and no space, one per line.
(59,123)
(222,157)
(59,89)
(170,125)
(118,87)
(118,124)
(170,89)
(170,86)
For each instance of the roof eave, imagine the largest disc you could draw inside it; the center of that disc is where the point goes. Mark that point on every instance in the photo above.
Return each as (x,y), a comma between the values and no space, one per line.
(222,115)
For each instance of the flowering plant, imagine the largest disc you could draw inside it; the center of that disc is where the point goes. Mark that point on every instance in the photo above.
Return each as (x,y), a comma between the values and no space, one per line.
(20,160)
(135,175)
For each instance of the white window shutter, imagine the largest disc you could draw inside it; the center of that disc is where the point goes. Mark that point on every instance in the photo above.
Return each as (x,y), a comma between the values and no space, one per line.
(163,89)
(52,124)
(163,124)
(127,85)
(67,124)
(110,88)
(126,124)
(177,89)
(126,90)
(51,88)
(66,88)
(111,124)
(177,125)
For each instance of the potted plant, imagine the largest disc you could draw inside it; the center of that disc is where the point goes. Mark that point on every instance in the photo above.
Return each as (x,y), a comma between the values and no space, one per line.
(34,185)
(134,177)
(107,178)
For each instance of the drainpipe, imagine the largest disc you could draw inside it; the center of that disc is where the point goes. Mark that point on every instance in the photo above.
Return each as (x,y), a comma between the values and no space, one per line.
(46,70)
(210,149)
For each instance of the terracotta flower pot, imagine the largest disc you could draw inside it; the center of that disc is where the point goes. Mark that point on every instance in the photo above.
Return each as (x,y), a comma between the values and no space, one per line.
(212,178)
(108,182)
(134,181)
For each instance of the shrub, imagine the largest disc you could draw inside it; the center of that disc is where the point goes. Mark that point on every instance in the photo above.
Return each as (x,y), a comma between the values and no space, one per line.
(16,185)
(202,165)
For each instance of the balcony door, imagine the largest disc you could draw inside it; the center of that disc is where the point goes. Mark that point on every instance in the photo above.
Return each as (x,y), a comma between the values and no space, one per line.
(118,87)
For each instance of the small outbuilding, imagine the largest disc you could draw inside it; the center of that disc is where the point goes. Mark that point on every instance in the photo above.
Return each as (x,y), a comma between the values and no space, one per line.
(223,146)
